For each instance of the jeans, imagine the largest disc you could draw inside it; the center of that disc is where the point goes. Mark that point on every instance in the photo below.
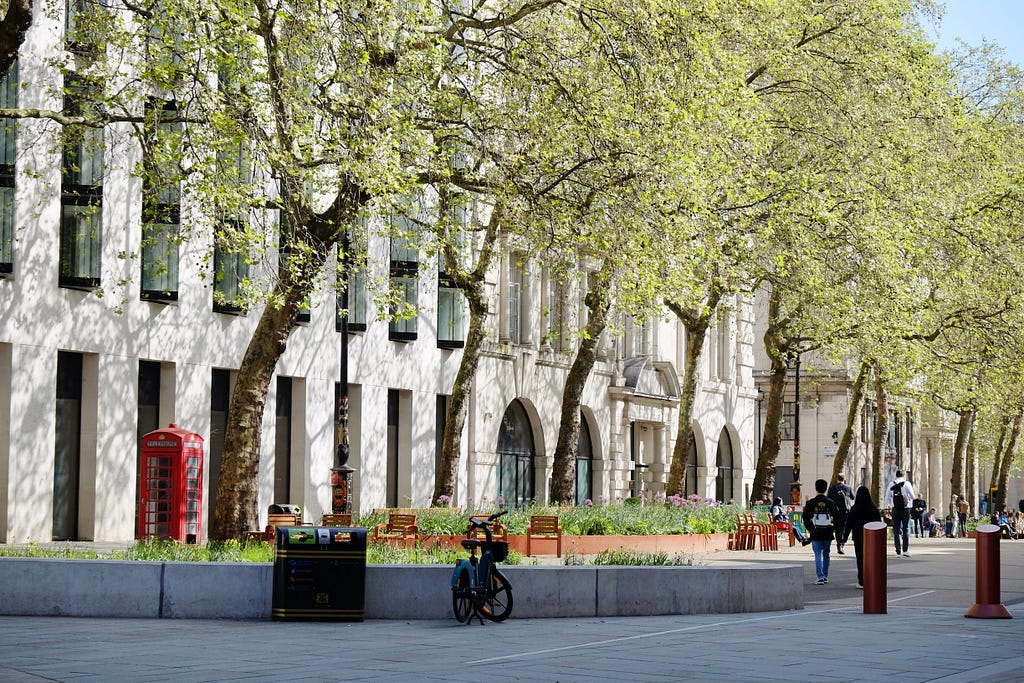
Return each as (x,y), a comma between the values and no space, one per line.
(839,525)
(901,529)
(821,557)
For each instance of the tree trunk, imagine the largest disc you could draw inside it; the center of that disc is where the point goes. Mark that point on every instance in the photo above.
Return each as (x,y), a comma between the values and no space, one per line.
(997,459)
(458,403)
(963,433)
(13,27)
(971,459)
(696,325)
(1005,464)
(843,453)
(315,235)
(563,474)
(881,433)
(237,495)
(777,346)
(472,284)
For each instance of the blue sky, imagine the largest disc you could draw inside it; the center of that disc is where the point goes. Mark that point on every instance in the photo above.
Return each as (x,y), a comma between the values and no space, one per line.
(998,21)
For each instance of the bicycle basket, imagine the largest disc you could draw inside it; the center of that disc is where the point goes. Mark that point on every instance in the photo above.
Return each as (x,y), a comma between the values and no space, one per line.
(499,550)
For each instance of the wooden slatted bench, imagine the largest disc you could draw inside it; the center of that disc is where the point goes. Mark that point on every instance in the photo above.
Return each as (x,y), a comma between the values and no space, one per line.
(274,520)
(400,527)
(336,519)
(544,528)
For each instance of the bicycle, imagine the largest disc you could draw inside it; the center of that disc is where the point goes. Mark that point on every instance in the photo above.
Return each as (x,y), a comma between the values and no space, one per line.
(479,589)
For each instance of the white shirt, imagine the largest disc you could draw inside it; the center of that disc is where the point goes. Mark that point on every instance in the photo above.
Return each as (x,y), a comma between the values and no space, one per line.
(908,492)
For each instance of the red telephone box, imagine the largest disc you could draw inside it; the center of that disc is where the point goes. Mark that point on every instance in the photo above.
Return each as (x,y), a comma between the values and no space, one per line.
(171,495)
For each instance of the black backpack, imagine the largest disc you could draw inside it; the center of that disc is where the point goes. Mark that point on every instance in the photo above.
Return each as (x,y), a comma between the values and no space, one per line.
(899,501)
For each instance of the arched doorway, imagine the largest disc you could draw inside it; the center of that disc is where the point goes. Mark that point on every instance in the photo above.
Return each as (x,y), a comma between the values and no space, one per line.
(515,457)
(584,464)
(724,481)
(691,467)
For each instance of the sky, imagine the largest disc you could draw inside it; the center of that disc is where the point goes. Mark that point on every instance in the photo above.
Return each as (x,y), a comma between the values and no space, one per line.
(998,21)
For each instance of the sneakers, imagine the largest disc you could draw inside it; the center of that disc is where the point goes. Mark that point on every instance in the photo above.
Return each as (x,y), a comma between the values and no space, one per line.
(821,582)
(806,541)
(826,579)
(860,584)
(906,554)
(840,551)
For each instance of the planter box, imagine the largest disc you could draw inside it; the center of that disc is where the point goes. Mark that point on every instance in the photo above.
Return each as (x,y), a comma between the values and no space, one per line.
(592,545)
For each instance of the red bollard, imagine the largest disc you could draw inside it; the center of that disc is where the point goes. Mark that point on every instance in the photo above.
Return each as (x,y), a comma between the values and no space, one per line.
(986,568)
(874,568)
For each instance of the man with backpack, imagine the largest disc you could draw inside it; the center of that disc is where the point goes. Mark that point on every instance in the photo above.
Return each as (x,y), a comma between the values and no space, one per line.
(899,496)
(819,515)
(842,495)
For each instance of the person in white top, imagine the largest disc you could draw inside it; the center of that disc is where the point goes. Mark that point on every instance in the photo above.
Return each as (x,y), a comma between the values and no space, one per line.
(899,495)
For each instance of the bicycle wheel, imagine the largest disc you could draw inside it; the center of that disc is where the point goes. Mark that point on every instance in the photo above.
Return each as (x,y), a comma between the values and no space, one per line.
(462,600)
(498,604)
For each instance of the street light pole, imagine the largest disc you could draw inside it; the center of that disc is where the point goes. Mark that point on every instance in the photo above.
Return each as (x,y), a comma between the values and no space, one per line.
(341,473)
(794,494)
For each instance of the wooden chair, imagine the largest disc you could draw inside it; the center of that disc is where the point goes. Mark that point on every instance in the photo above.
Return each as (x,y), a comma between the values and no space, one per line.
(544,528)
(746,534)
(336,519)
(499,532)
(399,527)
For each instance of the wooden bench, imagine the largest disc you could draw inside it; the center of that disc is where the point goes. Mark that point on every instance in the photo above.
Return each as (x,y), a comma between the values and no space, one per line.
(544,528)
(336,519)
(400,527)
(274,520)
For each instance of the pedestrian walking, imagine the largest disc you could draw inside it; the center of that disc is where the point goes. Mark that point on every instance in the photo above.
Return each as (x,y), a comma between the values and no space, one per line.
(842,495)
(863,511)
(819,515)
(898,497)
(917,510)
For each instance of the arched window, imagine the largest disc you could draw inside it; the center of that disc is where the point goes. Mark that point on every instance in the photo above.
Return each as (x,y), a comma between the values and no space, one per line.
(584,464)
(515,457)
(724,483)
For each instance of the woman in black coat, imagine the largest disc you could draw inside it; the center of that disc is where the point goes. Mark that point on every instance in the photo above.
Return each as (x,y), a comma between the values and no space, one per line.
(863,511)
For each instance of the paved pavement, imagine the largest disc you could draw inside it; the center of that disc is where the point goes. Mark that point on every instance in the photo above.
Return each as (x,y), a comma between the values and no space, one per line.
(923,637)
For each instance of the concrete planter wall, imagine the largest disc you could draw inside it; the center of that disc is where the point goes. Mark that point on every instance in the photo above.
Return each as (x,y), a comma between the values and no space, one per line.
(107,588)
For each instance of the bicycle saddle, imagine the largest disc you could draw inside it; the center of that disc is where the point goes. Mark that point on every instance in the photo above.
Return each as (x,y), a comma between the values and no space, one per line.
(471,543)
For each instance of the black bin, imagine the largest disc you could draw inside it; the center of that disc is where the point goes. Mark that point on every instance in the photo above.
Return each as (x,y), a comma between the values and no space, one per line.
(319,573)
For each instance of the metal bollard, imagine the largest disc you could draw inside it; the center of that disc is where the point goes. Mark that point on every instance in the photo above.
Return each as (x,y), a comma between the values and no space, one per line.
(986,568)
(874,568)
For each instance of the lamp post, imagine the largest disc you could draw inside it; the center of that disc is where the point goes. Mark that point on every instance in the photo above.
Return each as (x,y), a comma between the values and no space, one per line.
(760,436)
(794,494)
(341,473)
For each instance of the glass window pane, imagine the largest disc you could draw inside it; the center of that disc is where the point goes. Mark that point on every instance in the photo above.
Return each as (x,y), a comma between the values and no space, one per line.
(450,313)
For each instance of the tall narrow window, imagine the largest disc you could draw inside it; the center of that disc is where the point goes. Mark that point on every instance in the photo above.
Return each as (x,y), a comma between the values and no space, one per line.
(451,302)
(555,313)
(81,229)
(788,425)
(8,150)
(404,279)
(83,22)
(161,205)
(352,297)
(515,299)
(230,260)
(286,241)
